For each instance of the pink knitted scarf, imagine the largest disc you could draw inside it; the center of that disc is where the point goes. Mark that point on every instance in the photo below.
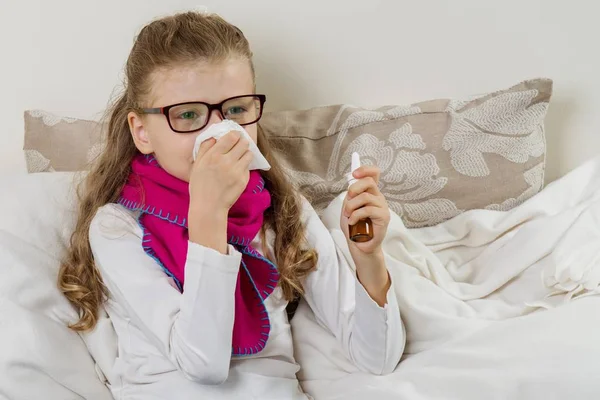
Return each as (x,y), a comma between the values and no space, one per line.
(163,202)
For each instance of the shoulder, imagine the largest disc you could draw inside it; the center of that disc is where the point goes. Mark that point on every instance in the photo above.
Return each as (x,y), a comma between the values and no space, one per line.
(113,220)
(317,234)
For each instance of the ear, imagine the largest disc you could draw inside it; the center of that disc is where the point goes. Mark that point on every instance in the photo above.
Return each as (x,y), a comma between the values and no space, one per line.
(139,133)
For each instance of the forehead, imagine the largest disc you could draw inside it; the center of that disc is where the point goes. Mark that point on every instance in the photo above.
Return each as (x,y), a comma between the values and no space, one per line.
(201,81)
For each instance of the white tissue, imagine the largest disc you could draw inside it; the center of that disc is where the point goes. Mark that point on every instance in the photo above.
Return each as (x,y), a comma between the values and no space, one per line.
(224,127)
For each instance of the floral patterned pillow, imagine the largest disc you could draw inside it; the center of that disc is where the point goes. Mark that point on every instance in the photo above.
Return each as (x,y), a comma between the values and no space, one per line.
(55,143)
(438,158)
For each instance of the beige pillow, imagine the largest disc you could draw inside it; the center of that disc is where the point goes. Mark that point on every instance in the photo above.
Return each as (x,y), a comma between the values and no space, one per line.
(54,143)
(438,158)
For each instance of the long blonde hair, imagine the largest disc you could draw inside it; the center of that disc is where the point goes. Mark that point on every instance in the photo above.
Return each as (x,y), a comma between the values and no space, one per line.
(165,43)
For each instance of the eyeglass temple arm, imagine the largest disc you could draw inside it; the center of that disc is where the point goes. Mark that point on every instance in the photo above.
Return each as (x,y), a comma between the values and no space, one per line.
(152,110)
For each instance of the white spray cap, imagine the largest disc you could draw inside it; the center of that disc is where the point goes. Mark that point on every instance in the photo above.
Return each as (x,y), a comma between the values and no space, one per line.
(353,167)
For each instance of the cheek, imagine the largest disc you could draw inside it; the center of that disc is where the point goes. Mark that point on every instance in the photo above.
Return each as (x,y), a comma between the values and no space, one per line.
(174,153)
(186,147)
(253,132)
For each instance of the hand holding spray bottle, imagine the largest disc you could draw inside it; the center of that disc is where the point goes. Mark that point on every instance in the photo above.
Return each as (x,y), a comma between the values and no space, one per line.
(362,231)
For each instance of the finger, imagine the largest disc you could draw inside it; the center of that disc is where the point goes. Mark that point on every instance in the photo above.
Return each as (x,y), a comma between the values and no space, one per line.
(205,147)
(368,170)
(367,184)
(344,218)
(226,143)
(245,160)
(344,203)
(372,212)
(362,200)
(240,148)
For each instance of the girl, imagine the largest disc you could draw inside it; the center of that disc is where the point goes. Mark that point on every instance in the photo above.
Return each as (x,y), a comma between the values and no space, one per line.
(195,262)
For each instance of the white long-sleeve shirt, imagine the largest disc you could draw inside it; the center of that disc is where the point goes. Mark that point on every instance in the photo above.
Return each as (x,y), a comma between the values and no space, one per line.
(178,345)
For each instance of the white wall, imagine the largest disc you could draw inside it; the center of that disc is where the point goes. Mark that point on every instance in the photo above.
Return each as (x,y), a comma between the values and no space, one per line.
(65,56)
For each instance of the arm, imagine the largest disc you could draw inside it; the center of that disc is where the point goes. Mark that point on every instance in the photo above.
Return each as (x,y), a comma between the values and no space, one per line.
(373,337)
(193,329)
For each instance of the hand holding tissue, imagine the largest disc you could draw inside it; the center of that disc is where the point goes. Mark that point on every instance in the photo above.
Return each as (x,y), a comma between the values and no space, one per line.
(222,128)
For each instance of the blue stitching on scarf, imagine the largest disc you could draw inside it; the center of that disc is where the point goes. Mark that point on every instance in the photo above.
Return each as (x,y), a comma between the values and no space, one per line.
(260,186)
(152,160)
(140,207)
(257,188)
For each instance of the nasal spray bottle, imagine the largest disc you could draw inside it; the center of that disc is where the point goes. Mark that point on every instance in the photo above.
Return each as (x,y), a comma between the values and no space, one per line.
(362,231)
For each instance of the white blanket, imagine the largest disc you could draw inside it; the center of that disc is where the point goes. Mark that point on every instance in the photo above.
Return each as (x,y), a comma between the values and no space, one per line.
(488,300)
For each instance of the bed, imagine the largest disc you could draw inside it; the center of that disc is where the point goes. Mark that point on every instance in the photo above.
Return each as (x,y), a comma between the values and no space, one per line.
(496,276)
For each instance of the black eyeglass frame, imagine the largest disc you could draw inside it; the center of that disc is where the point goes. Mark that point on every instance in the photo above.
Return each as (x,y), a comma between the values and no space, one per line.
(211,107)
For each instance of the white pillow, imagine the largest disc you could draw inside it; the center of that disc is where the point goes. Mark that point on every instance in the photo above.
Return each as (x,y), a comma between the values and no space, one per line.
(40,358)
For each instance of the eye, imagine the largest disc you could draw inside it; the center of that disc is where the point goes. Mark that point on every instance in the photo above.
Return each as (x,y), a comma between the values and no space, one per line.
(187,115)
(235,110)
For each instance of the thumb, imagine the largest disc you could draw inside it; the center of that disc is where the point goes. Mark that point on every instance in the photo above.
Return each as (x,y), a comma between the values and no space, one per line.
(344,219)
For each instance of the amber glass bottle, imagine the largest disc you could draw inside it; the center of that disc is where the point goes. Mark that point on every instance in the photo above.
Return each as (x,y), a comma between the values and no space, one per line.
(362,231)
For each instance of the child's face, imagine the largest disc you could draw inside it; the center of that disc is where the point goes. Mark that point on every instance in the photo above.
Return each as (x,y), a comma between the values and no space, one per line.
(209,83)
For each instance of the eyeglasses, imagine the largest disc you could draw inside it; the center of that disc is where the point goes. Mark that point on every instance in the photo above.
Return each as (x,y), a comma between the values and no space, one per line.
(194,116)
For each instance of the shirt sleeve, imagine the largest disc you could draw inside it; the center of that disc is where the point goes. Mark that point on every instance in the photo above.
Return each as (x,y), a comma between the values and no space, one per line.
(194,328)
(373,337)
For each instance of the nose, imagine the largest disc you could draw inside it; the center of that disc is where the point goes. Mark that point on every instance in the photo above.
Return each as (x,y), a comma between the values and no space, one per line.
(214,117)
